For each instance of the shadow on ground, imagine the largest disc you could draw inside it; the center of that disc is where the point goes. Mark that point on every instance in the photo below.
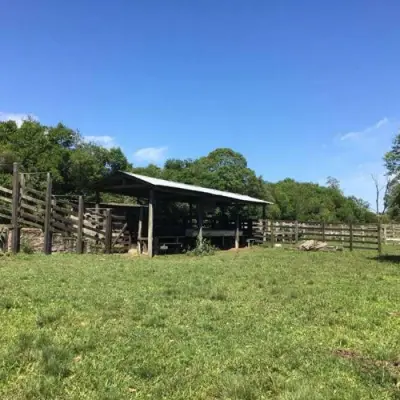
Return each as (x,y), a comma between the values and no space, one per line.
(392,258)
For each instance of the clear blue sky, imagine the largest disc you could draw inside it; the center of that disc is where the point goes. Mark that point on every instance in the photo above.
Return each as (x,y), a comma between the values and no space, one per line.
(304,89)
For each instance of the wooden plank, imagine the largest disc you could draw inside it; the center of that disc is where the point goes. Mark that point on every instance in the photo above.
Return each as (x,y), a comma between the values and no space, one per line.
(366,242)
(33,209)
(64,227)
(237,231)
(35,192)
(6,190)
(108,235)
(32,217)
(272,229)
(6,199)
(79,239)
(5,216)
(150,223)
(15,238)
(140,230)
(47,246)
(351,236)
(66,210)
(379,238)
(33,200)
(119,234)
(200,221)
(26,222)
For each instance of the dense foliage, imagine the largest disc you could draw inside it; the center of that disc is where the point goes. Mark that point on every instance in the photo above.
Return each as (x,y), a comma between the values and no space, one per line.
(75,164)
(392,195)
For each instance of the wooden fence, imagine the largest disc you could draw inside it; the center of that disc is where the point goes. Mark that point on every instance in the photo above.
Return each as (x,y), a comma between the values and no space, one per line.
(351,236)
(24,206)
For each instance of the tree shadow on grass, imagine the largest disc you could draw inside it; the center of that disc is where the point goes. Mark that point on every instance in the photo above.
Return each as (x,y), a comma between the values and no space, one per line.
(390,258)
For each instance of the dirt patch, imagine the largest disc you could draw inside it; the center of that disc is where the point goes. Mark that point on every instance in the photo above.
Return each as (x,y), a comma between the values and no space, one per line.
(346,353)
(366,361)
(394,314)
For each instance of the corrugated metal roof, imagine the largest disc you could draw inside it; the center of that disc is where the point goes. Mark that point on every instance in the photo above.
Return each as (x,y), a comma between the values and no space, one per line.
(198,189)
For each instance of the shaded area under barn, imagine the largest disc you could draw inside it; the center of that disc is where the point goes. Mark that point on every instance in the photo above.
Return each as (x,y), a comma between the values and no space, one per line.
(173,215)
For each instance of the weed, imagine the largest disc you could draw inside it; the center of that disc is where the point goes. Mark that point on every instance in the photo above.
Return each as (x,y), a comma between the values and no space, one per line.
(26,248)
(203,248)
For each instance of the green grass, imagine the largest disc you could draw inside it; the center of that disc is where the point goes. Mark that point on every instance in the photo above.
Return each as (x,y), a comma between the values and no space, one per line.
(260,324)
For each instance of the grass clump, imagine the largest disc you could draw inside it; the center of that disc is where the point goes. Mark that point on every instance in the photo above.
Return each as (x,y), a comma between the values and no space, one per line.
(203,248)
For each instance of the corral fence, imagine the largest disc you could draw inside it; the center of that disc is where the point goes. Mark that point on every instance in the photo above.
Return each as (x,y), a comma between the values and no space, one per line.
(351,236)
(86,229)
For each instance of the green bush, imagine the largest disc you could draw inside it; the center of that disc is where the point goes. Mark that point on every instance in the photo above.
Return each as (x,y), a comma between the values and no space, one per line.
(203,248)
(27,248)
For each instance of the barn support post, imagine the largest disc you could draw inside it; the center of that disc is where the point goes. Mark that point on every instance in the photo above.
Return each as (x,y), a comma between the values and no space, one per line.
(108,233)
(200,222)
(264,224)
(48,239)
(15,237)
(237,230)
(140,231)
(81,212)
(151,223)
(296,231)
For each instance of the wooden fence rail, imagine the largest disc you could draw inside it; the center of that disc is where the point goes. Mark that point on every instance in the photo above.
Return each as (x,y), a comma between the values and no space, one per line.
(24,206)
(363,236)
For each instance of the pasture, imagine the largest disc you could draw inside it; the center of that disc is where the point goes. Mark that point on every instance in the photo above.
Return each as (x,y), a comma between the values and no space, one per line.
(258,324)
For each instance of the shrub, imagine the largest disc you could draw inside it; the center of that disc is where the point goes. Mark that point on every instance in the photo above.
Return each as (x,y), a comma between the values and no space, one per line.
(26,248)
(203,248)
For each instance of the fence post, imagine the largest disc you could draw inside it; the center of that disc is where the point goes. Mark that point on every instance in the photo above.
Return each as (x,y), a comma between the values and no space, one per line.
(272,234)
(15,237)
(351,235)
(81,212)
(379,238)
(48,242)
(323,231)
(108,233)
(296,231)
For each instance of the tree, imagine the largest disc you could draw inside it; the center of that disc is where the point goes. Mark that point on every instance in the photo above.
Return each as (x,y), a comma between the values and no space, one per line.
(333,183)
(73,163)
(392,189)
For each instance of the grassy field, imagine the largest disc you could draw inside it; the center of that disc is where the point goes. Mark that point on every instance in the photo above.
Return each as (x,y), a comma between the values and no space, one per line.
(259,324)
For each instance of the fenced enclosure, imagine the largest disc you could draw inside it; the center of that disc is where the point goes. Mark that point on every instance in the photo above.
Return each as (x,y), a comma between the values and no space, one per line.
(83,229)
(351,236)
(89,227)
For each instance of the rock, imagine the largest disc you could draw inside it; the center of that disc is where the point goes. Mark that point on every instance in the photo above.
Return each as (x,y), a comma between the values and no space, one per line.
(133,252)
(312,245)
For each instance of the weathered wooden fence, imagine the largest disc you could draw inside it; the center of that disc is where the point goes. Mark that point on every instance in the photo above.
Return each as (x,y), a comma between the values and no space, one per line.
(91,229)
(351,236)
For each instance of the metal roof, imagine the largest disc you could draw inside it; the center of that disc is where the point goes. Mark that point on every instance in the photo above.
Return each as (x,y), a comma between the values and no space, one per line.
(162,183)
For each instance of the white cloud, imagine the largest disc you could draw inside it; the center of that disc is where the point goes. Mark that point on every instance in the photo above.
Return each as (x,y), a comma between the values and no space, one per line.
(360,134)
(150,154)
(17,117)
(105,141)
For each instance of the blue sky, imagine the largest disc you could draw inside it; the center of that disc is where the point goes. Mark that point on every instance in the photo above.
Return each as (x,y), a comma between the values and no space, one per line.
(303,89)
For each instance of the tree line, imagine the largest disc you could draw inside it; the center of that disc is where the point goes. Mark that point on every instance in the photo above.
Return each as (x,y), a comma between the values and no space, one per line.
(76,164)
